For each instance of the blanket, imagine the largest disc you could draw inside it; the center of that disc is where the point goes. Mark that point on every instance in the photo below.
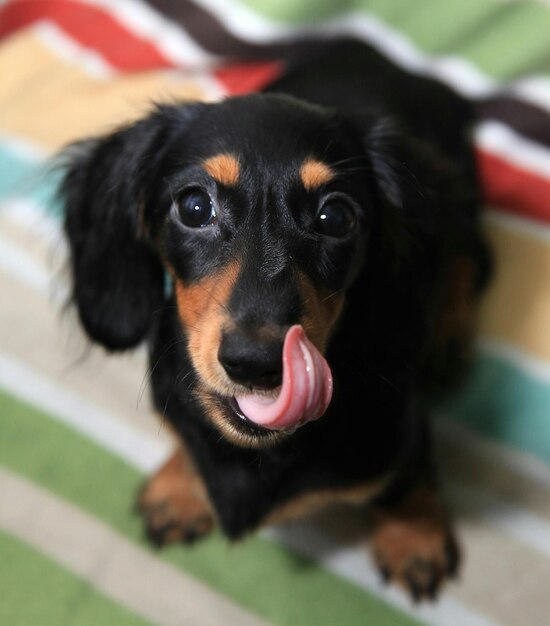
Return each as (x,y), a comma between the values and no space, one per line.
(77,432)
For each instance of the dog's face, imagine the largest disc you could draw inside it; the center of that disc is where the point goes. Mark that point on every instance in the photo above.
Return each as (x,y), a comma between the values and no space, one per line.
(260,209)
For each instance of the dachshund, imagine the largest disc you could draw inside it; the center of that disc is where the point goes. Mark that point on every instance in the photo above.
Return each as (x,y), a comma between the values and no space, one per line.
(304,264)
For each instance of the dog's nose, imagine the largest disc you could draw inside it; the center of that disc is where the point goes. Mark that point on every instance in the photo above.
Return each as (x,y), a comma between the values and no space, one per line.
(252,362)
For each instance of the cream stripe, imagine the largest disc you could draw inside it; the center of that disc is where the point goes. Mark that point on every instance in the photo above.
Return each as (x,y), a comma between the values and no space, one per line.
(107,103)
(107,560)
(516,308)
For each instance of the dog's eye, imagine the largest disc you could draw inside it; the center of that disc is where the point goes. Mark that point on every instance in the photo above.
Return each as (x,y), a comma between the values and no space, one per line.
(196,209)
(336,218)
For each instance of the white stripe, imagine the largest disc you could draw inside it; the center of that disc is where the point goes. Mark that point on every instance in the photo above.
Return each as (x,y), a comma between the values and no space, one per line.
(72,410)
(249,26)
(116,567)
(72,51)
(501,139)
(165,34)
(514,223)
(531,365)
(145,23)
(524,526)
(22,147)
(461,74)
(353,564)
(533,89)
(35,221)
(15,262)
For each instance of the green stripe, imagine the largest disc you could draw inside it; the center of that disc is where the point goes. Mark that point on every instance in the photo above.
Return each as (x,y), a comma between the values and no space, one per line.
(292,591)
(502,39)
(515,44)
(36,591)
(508,405)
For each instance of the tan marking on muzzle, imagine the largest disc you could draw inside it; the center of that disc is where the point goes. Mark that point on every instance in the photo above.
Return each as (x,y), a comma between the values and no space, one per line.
(202,309)
(217,414)
(224,168)
(315,173)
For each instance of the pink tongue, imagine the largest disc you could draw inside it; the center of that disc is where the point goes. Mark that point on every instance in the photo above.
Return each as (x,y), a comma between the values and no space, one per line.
(306,390)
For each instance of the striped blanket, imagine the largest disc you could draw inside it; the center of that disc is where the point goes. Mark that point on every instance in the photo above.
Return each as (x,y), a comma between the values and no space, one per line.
(77,434)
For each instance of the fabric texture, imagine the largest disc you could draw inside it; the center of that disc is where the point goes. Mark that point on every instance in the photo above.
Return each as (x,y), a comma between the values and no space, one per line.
(77,433)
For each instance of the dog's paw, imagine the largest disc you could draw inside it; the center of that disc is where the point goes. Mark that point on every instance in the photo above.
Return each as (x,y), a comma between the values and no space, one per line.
(413,545)
(174,504)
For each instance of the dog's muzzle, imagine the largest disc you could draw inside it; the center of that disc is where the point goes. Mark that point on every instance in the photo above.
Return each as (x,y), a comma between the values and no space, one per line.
(304,394)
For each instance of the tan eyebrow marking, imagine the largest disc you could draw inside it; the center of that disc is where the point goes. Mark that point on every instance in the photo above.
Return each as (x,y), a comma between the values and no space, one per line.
(224,168)
(315,173)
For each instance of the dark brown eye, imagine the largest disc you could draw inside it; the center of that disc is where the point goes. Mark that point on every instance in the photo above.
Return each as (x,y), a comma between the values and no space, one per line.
(336,218)
(196,209)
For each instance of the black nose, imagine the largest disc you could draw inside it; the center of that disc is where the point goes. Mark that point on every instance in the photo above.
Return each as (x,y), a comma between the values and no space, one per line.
(252,362)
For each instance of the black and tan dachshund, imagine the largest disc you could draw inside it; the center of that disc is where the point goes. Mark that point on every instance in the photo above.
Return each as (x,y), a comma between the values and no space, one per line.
(304,265)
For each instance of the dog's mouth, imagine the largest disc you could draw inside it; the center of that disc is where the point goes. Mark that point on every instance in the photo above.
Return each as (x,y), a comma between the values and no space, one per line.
(303,396)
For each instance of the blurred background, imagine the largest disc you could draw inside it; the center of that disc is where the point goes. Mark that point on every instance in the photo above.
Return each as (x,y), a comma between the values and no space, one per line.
(77,433)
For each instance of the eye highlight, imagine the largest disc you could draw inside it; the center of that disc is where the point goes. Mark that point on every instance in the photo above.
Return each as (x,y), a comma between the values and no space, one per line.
(196,209)
(336,218)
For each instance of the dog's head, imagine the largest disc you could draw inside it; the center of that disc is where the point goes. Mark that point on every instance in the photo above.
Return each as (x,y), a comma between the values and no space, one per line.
(260,209)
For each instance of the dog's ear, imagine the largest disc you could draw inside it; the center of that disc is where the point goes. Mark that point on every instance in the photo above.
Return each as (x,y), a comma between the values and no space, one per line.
(382,143)
(394,187)
(118,279)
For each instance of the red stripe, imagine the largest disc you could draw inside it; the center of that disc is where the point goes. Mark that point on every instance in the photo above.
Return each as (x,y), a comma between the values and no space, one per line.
(242,78)
(513,188)
(91,26)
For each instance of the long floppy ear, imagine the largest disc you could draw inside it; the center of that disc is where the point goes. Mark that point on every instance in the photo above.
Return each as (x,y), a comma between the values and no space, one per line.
(118,280)
(394,185)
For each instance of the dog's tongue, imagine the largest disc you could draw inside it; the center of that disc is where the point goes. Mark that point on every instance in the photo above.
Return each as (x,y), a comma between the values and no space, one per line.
(305,392)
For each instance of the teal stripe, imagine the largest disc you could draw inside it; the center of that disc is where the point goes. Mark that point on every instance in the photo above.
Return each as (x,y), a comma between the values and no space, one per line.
(503,39)
(257,573)
(506,404)
(36,591)
(28,179)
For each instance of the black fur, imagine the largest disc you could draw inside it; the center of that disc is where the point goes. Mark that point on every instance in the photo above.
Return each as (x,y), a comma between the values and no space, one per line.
(401,148)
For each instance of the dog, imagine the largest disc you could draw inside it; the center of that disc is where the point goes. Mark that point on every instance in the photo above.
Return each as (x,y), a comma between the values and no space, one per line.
(304,264)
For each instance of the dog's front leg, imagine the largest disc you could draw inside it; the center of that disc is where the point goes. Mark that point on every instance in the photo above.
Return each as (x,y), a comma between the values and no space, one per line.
(174,502)
(413,543)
